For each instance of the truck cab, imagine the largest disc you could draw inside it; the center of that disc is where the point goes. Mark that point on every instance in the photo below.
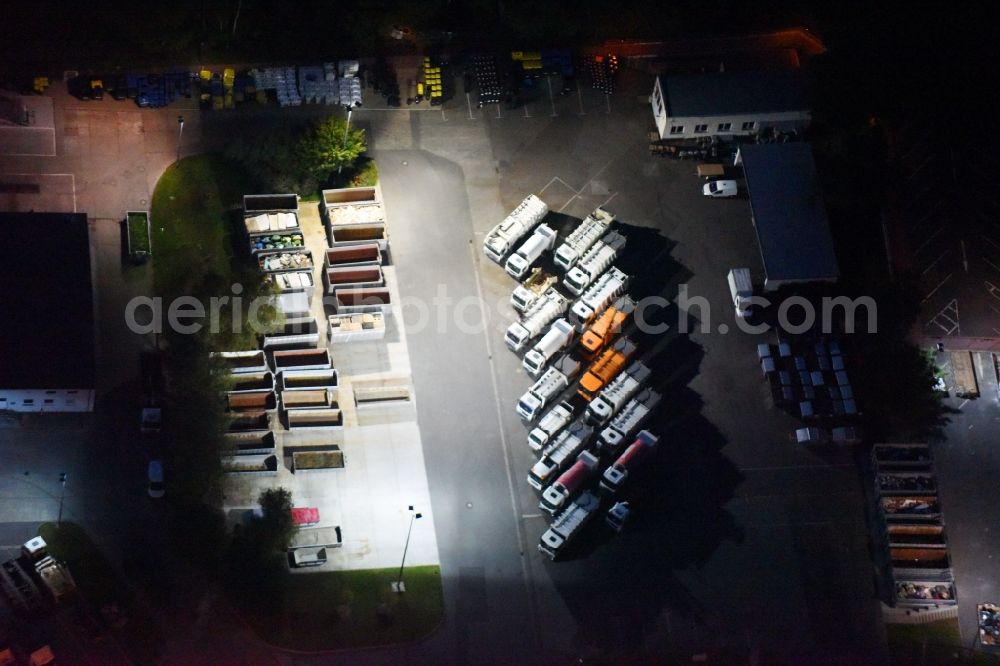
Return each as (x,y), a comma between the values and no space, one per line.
(520,262)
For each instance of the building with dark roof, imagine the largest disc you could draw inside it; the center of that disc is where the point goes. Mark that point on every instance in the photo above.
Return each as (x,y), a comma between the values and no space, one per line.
(729,104)
(789,215)
(46,313)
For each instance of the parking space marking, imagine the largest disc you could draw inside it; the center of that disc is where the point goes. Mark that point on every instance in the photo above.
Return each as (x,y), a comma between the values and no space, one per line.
(526,110)
(933,263)
(498,111)
(934,290)
(51,130)
(995,267)
(928,240)
(947,319)
(560,181)
(579,97)
(468,101)
(990,241)
(552,102)
(613,195)
(992,289)
(72,180)
(607,101)
(965,259)
(528,516)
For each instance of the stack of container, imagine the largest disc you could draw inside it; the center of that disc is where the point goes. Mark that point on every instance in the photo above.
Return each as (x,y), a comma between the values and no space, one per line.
(433,82)
(810,381)
(280,79)
(602,69)
(912,525)
(487,80)
(352,266)
(277,243)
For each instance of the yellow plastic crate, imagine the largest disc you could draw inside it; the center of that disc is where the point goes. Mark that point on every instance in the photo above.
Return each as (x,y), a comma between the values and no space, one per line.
(228,76)
(205,75)
(517,55)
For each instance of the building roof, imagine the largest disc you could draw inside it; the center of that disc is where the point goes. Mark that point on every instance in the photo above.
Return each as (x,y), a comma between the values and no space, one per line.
(788,211)
(733,93)
(47,307)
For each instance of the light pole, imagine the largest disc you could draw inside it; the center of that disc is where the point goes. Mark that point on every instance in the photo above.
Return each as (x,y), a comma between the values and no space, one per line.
(180,133)
(398,585)
(62,495)
(347,129)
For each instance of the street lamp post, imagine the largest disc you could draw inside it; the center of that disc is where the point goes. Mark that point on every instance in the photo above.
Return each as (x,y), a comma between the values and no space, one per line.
(62,496)
(347,129)
(180,133)
(398,585)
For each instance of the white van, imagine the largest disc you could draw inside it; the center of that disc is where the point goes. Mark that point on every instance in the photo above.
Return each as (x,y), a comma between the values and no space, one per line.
(741,290)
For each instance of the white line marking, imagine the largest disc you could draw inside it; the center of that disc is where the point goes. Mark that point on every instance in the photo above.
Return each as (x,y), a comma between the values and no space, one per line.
(990,241)
(552,102)
(931,265)
(496,401)
(995,267)
(498,111)
(36,129)
(468,101)
(443,117)
(607,200)
(965,259)
(579,97)
(607,101)
(940,284)
(964,403)
(72,178)
(929,239)
(547,185)
(526,516)
(568,202)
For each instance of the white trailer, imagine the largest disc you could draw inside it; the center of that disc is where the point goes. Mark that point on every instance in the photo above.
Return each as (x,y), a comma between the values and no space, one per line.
(519,263)
(613,397)
(568,524)
(597,297)
(632,416)
(549,385)
(557,455)
(594,262)
(582,238)
(551,305)
(502,238)
(555,420)
(559,335)
(569,483)
(526,293)
(616,475)
(741,290)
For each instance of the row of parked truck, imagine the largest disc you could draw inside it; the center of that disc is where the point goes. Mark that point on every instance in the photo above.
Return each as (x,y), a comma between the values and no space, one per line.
(591,394)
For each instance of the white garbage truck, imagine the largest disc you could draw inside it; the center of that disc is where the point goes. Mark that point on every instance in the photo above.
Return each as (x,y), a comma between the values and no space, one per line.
(554,420)
(552,382)
(503,237)
(559,336)
(526,293)
(582,238)
(551,305)
(594,262)
(628,420)
(597,297)
(568,524)
(613,397)
(559,453)
(519,263)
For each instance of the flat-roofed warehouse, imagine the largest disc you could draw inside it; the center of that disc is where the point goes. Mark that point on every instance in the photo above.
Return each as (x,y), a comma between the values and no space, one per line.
(727,104)
(789,215)
(46,313)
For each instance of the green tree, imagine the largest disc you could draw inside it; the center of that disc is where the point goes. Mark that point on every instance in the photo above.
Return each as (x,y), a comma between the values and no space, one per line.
(331,145)
(275,523)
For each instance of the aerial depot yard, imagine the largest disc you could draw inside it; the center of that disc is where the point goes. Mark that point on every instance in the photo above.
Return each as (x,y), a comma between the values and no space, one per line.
(568,364)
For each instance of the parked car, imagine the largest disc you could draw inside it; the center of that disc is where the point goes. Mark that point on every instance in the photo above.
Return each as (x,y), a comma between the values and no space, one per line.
(720,189)
(79,87)
(155,474)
